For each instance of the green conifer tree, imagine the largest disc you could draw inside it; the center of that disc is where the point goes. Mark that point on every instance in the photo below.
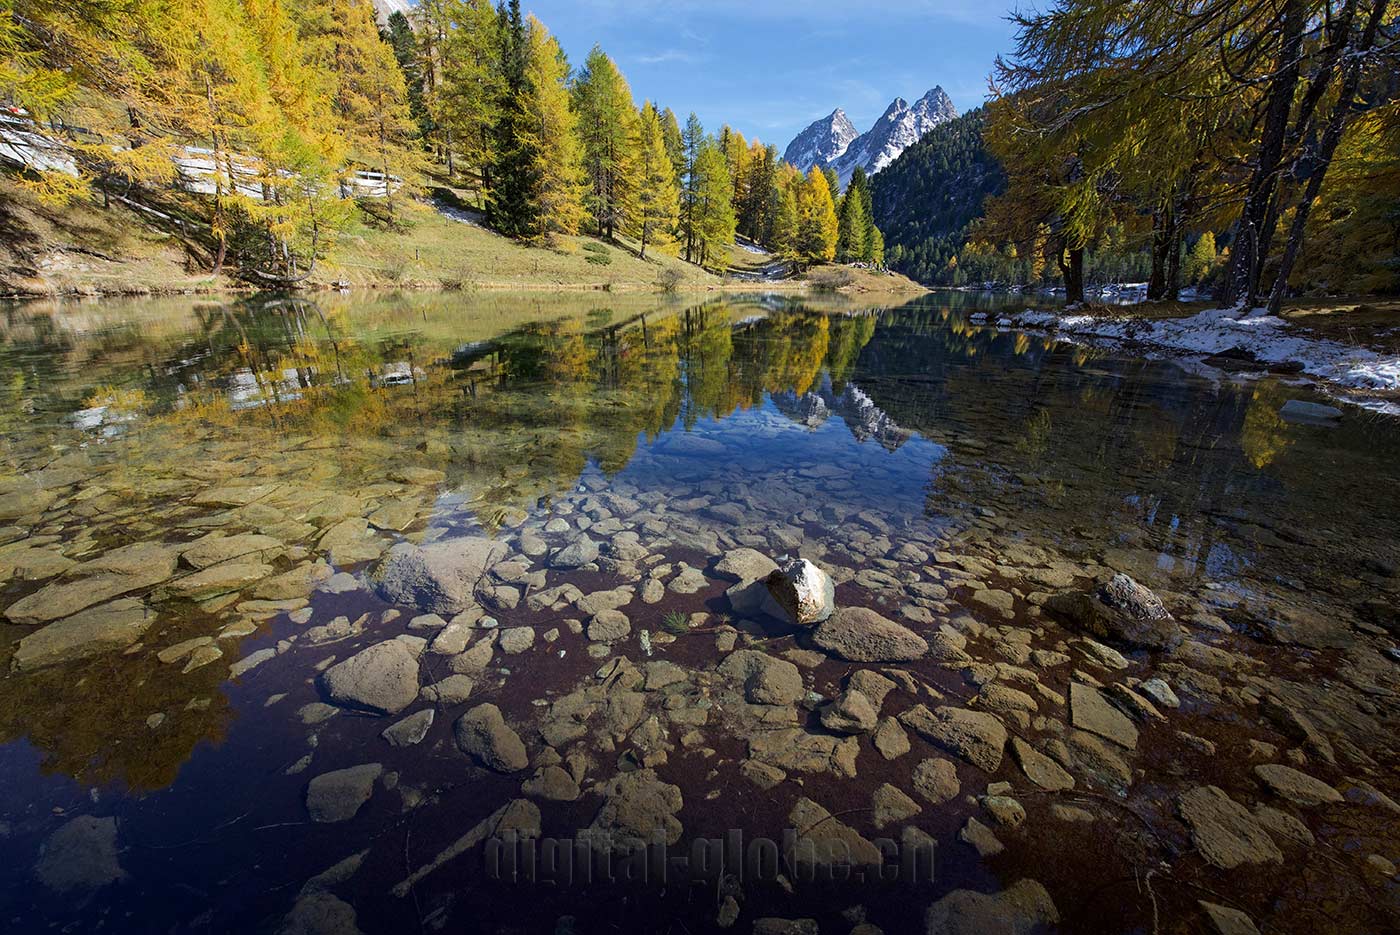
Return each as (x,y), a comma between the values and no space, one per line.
(512,205)
(693,140)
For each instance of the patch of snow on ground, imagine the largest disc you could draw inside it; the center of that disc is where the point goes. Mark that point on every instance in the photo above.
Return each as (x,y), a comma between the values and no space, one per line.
(461,215)
(1216,331)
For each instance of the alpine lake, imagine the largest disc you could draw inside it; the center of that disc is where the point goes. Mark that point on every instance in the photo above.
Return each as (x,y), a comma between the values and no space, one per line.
(348,614)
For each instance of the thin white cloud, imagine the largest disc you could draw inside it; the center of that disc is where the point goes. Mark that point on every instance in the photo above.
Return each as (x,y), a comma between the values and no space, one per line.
(669,55)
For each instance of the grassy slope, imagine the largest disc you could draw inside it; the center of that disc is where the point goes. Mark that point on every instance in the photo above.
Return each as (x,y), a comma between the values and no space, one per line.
(872,284)
(85,249)
(430,249)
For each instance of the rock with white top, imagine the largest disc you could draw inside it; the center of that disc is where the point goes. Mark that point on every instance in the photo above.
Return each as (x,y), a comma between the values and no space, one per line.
(804,591)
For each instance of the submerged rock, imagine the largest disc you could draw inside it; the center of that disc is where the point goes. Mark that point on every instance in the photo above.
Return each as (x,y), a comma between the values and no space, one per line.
(576,554)
(746,565)
(609,626)
(1091,711)
(1099,761)
(859,634)
(215,549)
(1298,788)
(1306,413)
(350,542)
(81,855)
(825,843)
(851,713)
(338,795)
(130,568)
(1120,610)
(936,780)
(795,750)
(299,582)
(411,730)
(483,733)
(975,736)
(320,913)
(804,591)
(516,640)
(766,681)
(440,578)
(1227,921)
(553,783)
(455,689)
(981,838)
(638,809)
(890,739)
(92,632)
(1039,768)
(1020,909)
(1224,831)
(889,804)
(382,679)
(217,580)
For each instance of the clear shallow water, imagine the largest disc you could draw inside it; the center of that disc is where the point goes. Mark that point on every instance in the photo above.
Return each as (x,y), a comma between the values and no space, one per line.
(1010,464)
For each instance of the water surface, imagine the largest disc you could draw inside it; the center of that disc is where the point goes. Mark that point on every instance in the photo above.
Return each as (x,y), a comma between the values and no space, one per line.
(949,476)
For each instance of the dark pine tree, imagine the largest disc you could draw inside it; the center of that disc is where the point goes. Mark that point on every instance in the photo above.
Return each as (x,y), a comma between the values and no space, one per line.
(925,200)
(512,202)
(399,35)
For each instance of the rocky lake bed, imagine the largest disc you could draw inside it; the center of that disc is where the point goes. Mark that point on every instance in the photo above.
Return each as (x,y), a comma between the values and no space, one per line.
(305,610)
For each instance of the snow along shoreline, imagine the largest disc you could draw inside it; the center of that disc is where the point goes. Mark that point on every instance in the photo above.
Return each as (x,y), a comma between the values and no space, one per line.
(1267,338)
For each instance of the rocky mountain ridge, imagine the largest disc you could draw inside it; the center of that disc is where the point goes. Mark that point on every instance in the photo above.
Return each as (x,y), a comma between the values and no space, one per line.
(832,141)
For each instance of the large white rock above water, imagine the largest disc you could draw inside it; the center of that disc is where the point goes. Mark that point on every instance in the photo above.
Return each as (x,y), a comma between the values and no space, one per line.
(803,590)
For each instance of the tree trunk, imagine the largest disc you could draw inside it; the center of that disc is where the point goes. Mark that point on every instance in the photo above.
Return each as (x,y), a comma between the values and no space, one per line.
(1259,214)
(220,230)
(384,163)
(219,257)
(1326,150)
(1174,265)
(1071,262)
(1163,237)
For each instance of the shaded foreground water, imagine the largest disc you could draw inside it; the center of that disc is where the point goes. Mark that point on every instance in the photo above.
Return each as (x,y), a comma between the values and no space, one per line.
(236,701)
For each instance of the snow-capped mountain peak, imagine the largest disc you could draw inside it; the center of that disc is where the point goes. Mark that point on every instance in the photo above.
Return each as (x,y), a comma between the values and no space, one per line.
(901,126)
(823,142)
(383,9)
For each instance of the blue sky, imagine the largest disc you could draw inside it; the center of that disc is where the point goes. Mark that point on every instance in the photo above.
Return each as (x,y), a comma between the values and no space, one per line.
(770,67)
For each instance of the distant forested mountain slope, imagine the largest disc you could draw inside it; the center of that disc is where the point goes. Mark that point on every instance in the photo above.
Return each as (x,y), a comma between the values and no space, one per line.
(924,201)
